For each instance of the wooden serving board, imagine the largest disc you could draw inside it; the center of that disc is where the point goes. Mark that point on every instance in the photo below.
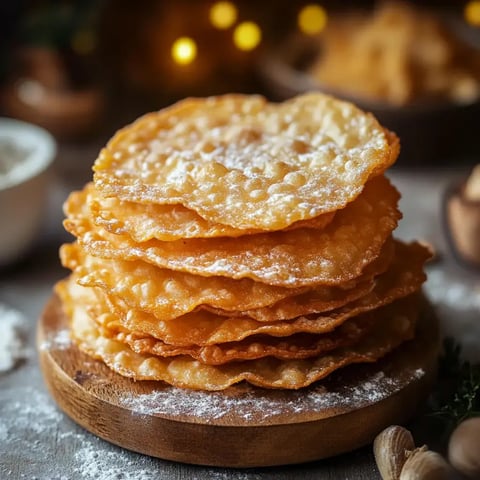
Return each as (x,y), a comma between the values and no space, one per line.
(242,426)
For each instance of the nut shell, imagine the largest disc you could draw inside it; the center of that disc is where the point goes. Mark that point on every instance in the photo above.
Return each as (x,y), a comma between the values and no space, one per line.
(424,464)
(464,448)
(390,449)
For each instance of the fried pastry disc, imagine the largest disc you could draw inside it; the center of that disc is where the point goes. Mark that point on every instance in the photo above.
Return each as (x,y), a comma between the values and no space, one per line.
(200,328)
(167,294)
(300,345)
(168,222)
(394,325)
(322,298)
(240,161)
(205,328)
(302,257)
(387,286)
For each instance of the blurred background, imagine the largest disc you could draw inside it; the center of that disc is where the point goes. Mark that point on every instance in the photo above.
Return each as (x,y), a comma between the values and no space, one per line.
(81,69)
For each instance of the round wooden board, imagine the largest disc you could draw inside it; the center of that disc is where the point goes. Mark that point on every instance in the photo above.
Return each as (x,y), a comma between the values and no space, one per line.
(243,426)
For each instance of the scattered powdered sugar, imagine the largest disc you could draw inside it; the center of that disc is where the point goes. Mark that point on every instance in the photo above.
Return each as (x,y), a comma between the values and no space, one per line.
(35,414)
(258,406)
(12,345)
(35,429)
(448,291)
(32,423)
(457,304)
(3,433)
(95,463)
(226,475)
(106,465)
(57,340)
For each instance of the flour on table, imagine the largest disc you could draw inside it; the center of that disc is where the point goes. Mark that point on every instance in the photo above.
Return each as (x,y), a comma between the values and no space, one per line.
(448,291)
(33,422)
(12,345)
(457,304)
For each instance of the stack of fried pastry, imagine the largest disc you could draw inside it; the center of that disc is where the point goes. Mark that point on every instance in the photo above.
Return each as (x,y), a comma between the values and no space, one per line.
(230,239)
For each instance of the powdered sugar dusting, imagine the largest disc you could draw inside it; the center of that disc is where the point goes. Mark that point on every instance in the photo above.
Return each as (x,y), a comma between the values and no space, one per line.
(445,290)
(58,340)
(31,422)
(94,462)
(263,405)
(457,304)
(35,429)
(12,348)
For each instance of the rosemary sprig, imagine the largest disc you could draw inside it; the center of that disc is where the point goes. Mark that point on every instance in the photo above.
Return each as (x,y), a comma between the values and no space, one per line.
(457,394)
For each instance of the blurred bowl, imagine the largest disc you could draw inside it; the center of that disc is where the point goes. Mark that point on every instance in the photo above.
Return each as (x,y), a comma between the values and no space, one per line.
(26,153)
(461,222)
(50,89)
(430,132)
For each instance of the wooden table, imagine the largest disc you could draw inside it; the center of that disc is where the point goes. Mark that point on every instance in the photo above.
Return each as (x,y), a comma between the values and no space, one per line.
(38,442)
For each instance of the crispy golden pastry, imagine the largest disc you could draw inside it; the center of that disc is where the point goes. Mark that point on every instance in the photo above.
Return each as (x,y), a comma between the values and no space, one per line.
(394,324)
(168,294)
(204,328)
(298,258)
(240,161)
(229,239)
(297,346)
(402,278)
(168,222)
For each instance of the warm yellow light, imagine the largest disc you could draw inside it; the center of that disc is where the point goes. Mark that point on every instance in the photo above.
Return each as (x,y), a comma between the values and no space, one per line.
(223,15)
(184,50)
(312,19)
(472,13)
(247,36)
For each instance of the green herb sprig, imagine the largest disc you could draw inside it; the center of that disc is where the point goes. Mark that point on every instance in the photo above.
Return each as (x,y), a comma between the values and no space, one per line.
(457,394)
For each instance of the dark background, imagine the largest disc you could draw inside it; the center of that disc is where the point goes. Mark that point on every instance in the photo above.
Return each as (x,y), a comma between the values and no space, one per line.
(117,54)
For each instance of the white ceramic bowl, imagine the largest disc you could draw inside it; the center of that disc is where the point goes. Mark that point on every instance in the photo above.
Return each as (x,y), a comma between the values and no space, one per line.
(24,188)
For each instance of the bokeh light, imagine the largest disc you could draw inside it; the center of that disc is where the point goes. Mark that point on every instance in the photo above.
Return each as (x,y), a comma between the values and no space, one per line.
(30,92)
(472,13)
(247,36)
(223,15)
(312,19)
(184,50)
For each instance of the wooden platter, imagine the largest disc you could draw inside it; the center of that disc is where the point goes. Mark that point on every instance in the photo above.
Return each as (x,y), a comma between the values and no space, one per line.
(243,426)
